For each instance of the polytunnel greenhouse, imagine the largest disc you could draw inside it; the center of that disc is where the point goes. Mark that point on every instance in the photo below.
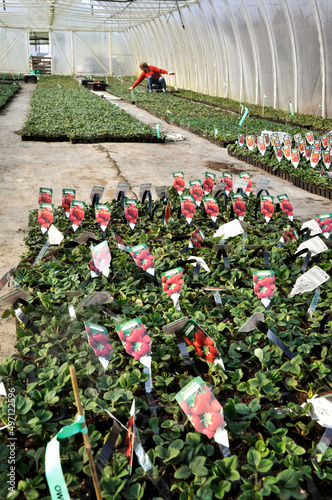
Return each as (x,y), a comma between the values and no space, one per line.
(165,249)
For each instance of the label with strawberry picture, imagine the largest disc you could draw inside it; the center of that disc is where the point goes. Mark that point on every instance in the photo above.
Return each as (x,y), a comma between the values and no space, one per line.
(274,138)
(289,234)
(278,152)
(240,139)
(285,205)
(302,145)
(317,144)
(179,182)
(327,158)
(76,213)
(172,281)
(119,242)
(329,144)
(246,176)
(264,285)
(228,179)
(196,190)
(188,207)
(325,223)
(325,141)
(196,239)
(307,153)
(295,157)
(240,184)
(266,138)
(314,158)
(287,140)
(287,151)
(167,213)
(204,345)
(250,142)
(137,342)
(103,216)
(296,138)
(101,259)
(131,212)
(211,207)
(261,145)
(267,206)
(203,410)
(45,195)
(310,137)
(45,216)
(143,258)
(100,342)
(67,196)
(239,204)
(208,182)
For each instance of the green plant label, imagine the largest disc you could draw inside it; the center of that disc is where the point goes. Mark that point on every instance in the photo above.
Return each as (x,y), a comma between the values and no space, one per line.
(196,239)
(261,146)
(327,158)
(172,282)
(67,196)
(203,410)
(196,190)
(240,139)
(101,259)
(204,345)
(264,285)
(309,137)
(246,176)
(285,205)
(267,206)
(211,207)
(103,215)
(76,213)
(135,339)
(99,341)
(188,207)
(45,216)
(143,258)
(287,152)
(208,182)
(250,142)
(179,182)
(325,223)
(239,204)
(295,157)
(45,195)
(131,212)
(314,158)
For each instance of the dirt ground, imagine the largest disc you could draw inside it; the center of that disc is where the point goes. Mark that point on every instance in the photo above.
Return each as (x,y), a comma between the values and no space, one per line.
(26,166)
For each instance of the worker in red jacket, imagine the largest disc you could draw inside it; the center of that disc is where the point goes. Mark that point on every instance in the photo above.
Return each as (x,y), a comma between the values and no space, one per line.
(153,75)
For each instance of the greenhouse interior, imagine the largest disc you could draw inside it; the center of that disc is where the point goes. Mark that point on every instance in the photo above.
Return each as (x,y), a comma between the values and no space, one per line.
(165,249)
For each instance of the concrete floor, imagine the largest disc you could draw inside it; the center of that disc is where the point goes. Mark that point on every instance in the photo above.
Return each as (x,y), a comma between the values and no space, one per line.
(26,166)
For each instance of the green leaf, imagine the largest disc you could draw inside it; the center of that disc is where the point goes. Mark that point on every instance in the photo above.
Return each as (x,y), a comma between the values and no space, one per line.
(182,473)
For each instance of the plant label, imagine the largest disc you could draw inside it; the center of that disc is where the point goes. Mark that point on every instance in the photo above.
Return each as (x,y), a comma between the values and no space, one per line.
(239,205)
(295,157)
(264,286)
(45,195)
(297,137)
(179,182)
(315,245)
(307,152)
(54,236)
(285,205)
(2,393)
(203,410)
(267,206)
(274,137)
(327,159)
(143,189)
(252,322)
(321,409)
(229,230)
(314,158)
(67,196)
(287,140)
(101,259)
(13,296)
(250,142)
(317,145)
(329,145)
(45,216)
(246,176)
(310,280)
(208,182)
(313,226)
(143,258)
(196,239)
(325,223)
(162,191)
(240,183)
(261,146)
(175,326)
(196,190)
(278,152)
(131,212)
(172,281)
(97,191)
(325,141)
(76,213)
(99,341)
(201,262)
(188,207)
(288,235)
(103,215)
(287,152)
(309,137)
(218,188)
(96,299)
(119,242)
(240,139)
(167,213)
(266,138)
(302,145)
(211,207)
(262,185)
(122,187)
(228,179)
(204,345)
(130,436)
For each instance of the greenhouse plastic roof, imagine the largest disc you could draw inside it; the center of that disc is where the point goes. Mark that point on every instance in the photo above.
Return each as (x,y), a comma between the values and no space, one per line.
(100,15)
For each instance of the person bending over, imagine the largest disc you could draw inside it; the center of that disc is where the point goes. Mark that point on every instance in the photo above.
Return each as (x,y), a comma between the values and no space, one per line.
(153,75)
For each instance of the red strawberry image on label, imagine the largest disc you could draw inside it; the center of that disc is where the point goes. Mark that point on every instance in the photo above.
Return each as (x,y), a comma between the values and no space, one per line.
(179,183)
(208,184)
(264,286)
(66,200)
(45,217)
(135,339)
(45,197)
(172,283)
(103,216)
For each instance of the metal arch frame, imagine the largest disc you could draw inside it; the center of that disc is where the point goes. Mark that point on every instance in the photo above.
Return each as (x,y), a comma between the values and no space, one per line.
(322,56)
(238,44)
(274,64)
(222,38)
(254,47)
(294,52)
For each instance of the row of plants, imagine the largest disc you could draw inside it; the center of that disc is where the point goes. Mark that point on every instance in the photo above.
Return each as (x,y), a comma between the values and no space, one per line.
(272,438)
(7,91)
(61,108)
(11,76)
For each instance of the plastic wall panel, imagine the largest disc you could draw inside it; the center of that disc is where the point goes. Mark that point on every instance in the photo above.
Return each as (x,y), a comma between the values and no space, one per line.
(122,63)
(308,55)
(62,52)
(325,15)
(14,51)
(92,53)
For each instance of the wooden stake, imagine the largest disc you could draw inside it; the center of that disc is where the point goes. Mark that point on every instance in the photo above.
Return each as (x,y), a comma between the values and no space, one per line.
(86,438)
